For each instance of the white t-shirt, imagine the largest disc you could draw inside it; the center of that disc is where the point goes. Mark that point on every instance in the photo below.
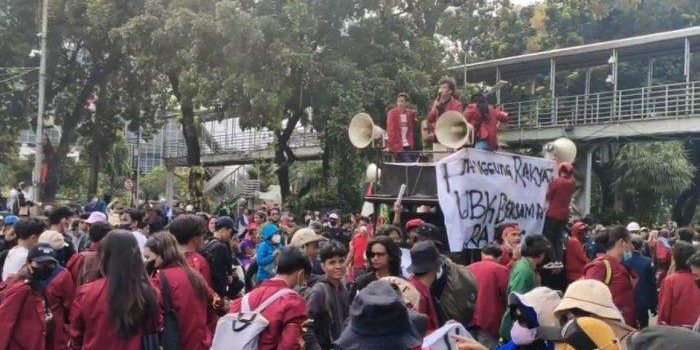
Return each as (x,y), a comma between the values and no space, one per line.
(16,258)
(405,262)
(404,130)
(141,240)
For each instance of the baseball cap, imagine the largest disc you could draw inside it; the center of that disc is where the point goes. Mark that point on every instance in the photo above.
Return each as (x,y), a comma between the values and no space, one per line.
(413,223)
(95,217)
(41,253)
(53,238)
(333,216)
(588,333)
(11,220)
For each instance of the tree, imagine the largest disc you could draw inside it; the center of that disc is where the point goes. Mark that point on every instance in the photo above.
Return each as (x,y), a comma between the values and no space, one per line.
(180,41)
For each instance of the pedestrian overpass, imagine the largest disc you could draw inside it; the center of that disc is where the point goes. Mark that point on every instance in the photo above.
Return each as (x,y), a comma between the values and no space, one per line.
(653,110)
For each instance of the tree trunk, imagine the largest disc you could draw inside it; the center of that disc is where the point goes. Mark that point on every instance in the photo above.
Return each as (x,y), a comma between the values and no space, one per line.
(70,124)
(95,160)
(191,131)
(684,208)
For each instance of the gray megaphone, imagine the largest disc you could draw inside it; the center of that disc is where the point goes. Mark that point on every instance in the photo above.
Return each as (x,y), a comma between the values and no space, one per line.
(453,131)
(363,132)
(560,150)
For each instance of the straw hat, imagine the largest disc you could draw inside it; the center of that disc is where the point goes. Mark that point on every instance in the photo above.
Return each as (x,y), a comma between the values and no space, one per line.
(591,296)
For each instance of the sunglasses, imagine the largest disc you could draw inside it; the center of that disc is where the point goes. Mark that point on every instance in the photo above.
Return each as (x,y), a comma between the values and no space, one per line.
(377,254)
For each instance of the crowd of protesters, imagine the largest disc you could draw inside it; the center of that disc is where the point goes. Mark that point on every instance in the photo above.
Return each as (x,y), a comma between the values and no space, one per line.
(158,277)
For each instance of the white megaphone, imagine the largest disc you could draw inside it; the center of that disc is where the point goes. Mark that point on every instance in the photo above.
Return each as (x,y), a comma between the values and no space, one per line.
(363,132)
(453,131)
(373,173)
(560,150)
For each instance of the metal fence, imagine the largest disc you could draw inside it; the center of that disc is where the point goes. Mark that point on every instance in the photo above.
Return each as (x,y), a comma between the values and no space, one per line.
(679,100)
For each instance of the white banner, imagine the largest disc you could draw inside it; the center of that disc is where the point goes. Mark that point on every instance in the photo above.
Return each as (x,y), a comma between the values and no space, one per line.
(480,190)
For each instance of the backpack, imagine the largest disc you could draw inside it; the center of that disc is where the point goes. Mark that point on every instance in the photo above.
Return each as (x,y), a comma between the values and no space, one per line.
(170,339)
(663,254)
(241,330)
(91,268)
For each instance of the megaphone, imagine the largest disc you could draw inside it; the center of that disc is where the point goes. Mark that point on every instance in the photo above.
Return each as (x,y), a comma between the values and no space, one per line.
(373,173)
(560,150)
(453,131)
(362,131)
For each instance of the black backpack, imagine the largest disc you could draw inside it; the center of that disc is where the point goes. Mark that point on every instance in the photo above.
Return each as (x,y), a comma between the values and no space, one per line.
(170,338)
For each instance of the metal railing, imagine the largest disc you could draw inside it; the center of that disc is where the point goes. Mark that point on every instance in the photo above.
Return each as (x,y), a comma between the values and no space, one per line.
(246,141)
(678,100)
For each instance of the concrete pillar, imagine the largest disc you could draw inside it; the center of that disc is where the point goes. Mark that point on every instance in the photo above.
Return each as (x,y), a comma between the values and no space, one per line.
(584,178)
(169,185)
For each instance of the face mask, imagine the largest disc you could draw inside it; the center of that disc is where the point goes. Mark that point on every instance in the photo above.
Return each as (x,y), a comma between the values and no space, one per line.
(42,273)
(150,267)
(276,239)
(522,335)
(627,255)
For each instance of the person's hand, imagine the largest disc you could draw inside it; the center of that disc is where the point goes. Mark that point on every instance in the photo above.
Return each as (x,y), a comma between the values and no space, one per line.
(464,343)
(517,252)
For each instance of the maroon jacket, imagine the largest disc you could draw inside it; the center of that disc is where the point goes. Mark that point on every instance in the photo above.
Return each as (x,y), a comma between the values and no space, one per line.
(393,129)
(621,285)
(485,130)
(198,263)
(559,197)
(452,105)
(285,315)
(23,318)
(575,257)
(60,294)
(492,289)
(194,330)
(91,326)
(426,306)
(679,300)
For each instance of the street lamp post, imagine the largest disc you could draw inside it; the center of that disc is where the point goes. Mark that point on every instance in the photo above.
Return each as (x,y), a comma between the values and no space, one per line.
(38,156)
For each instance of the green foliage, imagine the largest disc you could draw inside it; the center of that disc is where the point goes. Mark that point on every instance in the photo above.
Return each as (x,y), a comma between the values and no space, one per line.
(152,185)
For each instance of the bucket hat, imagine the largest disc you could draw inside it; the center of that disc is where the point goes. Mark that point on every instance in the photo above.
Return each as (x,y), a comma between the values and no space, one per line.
(591,296)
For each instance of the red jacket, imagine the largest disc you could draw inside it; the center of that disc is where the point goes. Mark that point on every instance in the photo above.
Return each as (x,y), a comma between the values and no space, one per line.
(23,318)
(434,113)
(575,257)
(485,130)
(426,306)
(492,283)
(621,285)
(194,330)
(679,300)
(91,326)
(394,128)
(76,263)
(286,316)
(559,197)
(60,294)
(198,263)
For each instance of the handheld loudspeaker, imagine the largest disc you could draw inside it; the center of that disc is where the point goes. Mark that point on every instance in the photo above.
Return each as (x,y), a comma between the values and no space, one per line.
(453,131)
(560,150)
(363,132)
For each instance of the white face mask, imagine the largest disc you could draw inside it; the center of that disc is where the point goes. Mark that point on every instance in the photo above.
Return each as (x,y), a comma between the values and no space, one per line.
(276,239)
(522,335)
